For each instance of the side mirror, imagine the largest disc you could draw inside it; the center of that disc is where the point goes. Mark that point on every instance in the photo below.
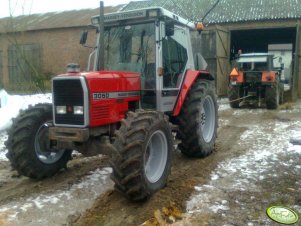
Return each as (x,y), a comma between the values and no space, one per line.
(169,28)
(83,37)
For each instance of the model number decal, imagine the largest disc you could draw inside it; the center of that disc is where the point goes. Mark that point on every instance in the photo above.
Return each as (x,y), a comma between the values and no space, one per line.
(114,95)
(99,96)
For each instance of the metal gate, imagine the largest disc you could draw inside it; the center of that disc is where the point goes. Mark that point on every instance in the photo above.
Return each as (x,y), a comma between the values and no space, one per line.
(215,50)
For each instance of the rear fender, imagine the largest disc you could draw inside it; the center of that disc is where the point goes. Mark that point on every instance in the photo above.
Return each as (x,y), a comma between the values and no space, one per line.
(189,79)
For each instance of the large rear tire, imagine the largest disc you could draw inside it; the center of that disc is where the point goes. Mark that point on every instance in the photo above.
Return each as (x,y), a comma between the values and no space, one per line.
(29,147)
(272,96)
(143,152)
(234,95)
(198,120)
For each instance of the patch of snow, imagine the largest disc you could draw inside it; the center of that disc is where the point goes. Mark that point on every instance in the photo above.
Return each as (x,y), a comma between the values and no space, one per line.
(3,151)
(10,108)
(15,103)
(223,104)
(54,209)
(245,172)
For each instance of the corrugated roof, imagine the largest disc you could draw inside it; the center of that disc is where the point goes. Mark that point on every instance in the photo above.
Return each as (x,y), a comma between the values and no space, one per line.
(75,18)
(227,10)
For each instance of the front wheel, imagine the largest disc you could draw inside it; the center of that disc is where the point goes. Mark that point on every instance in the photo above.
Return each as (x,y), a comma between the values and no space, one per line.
(198,120)
(28,144)
(143,151)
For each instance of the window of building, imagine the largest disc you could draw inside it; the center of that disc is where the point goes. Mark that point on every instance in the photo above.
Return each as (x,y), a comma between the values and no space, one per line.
(24,62)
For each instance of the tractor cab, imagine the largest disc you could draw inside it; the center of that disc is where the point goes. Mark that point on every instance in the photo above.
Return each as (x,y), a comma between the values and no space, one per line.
(255,62)
(152,42)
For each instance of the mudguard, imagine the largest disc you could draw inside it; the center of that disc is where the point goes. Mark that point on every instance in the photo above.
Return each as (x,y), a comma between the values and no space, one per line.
(190,77)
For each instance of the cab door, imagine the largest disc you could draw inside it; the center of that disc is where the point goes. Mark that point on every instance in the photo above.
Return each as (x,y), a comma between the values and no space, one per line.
(174,60)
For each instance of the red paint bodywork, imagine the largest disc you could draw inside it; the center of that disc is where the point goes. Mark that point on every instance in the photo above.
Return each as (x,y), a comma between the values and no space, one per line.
(237,78)
(110,110)
(268,76)
(189,80)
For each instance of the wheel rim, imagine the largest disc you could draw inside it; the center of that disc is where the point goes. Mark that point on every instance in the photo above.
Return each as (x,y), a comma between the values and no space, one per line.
(208,119)
(42,146)
(155,157)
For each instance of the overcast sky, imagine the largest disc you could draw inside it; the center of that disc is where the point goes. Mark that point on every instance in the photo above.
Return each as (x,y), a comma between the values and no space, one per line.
(26,7)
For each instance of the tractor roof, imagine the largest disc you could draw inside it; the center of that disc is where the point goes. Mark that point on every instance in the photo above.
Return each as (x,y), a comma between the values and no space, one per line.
(145,14)
(254,57)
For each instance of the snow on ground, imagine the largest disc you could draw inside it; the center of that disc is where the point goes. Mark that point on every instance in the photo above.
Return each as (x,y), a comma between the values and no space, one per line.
(3,138)
(12,104)
(53,209)
(10,107)
(223,104)
(244,173)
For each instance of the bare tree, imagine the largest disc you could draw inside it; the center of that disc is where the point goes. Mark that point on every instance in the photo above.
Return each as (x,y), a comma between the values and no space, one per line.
(27,74)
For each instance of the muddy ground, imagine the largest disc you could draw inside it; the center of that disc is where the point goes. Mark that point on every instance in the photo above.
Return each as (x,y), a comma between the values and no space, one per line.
(207,191)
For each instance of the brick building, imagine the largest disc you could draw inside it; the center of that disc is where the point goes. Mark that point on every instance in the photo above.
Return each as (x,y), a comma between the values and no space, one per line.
(42,43)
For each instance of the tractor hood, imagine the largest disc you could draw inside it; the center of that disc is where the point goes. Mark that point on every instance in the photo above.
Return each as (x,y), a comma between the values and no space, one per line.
(109,81)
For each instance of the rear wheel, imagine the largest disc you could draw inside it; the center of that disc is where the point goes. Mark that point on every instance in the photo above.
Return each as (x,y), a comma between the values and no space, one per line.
(143,151)
(198,120)
(233,95)
(29,147)
(272,96)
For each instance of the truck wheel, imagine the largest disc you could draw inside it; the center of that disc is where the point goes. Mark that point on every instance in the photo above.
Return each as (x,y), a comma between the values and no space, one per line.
(28,145)
(272,96)
(233,95)
(143,152)
(198,120)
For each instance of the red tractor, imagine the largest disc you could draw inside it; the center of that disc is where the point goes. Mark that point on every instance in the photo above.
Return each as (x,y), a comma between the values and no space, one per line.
(143,87)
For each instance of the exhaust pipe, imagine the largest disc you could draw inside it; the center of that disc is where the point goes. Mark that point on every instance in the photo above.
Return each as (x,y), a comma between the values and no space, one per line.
(101,40)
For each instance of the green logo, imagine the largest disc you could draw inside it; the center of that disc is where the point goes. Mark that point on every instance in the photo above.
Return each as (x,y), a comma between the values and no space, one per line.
(283,215)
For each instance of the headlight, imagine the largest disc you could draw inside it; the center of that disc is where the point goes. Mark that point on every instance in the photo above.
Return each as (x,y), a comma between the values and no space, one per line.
(61,110)
(78,110)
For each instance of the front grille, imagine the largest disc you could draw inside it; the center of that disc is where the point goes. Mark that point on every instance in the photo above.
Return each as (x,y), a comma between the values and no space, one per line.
(252,77)
(69,93)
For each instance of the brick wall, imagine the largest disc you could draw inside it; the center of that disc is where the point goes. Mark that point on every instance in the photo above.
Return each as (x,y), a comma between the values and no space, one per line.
(58,48)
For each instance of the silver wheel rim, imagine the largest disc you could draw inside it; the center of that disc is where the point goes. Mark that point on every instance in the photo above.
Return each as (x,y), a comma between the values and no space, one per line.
(41,145)
(155,157)
(208,119)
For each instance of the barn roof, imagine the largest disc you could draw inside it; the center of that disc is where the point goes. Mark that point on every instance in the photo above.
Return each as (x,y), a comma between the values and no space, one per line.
(65,19)
(227,11)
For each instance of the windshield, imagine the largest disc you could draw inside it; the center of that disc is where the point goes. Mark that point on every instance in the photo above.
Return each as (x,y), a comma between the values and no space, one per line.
(130,47)
(253,63)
